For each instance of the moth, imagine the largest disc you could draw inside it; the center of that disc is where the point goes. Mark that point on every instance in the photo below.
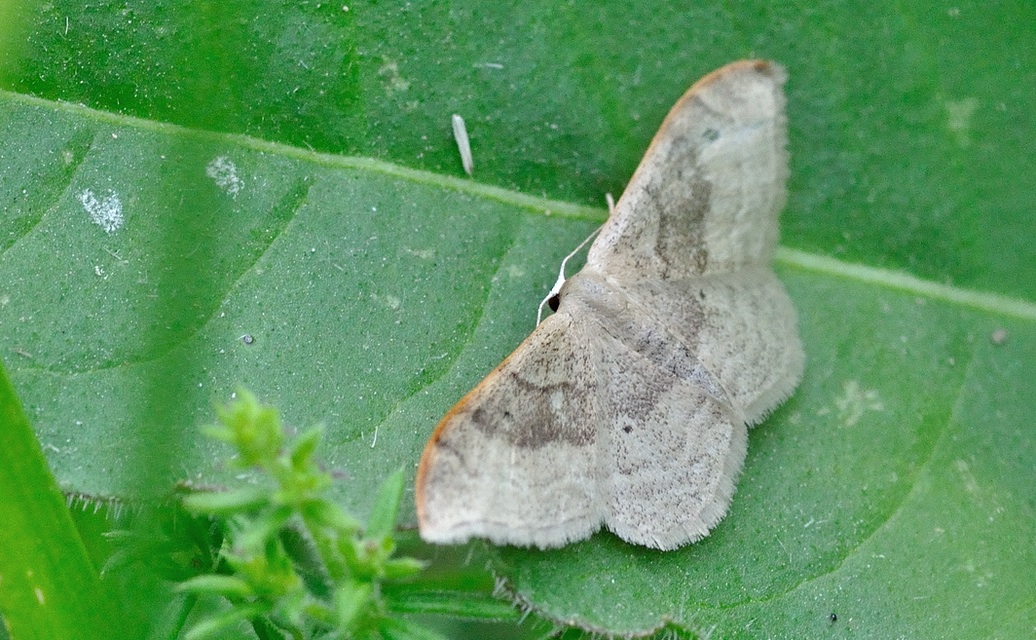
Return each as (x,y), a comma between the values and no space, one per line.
(629,407)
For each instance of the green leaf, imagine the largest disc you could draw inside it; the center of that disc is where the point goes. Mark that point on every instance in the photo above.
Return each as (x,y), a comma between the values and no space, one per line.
(350,279)
(457,604)
(398,629)
(253,429)
(222,623)
(352,602)
(229,586)
(386,507)
(400,568)
(228,502)
(256,533)
(330,515)
(900,457)
(305,446)
(49,590)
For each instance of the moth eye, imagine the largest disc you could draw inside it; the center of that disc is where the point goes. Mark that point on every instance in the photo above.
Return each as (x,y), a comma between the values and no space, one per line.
(554,302)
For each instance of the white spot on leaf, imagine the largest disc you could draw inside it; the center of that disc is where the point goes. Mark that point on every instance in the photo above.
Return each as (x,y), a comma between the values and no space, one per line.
(959,118)
(106,212)
(424,254)
(854,402)
(223,172)
(970,484)
(389,74)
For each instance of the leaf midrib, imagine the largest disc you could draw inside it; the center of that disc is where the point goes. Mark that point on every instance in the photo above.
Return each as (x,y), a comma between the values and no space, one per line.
(820,264)
(906,283)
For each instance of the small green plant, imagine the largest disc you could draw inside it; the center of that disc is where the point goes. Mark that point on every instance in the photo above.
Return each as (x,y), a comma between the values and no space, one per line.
(294,564)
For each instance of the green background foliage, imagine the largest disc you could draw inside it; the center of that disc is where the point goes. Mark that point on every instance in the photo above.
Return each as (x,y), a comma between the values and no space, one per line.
(895,489)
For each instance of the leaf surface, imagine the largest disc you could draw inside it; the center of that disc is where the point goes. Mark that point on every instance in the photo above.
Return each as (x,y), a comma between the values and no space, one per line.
(292,221)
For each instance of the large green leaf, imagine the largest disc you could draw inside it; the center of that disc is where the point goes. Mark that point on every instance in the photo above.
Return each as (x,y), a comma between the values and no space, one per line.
(895,489)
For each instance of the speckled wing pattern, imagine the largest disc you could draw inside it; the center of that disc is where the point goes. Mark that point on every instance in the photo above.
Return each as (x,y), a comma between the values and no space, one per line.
(629,407)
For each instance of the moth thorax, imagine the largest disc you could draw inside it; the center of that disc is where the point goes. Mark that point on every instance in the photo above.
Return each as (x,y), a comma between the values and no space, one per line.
(592,291)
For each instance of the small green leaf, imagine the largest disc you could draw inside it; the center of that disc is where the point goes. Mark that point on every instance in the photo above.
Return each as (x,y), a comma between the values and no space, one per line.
(217,624)
(227,503)
(306,560)
(352,599)
(228,586)
(382,520)
(305,446)
(399,568)
(259,531)
(328,514)
(298,486)
(400,629)
(457,604)
(252,428)
(270,576)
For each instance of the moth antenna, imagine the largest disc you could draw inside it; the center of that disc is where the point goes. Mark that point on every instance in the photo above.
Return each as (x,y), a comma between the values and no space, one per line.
(561,275)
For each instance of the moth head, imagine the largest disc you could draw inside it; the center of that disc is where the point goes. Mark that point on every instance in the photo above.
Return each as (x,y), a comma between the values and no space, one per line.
(592,291)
